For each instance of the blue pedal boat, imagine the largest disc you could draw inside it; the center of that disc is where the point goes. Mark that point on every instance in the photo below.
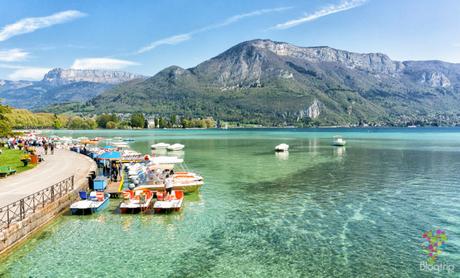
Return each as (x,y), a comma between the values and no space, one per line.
(95,202)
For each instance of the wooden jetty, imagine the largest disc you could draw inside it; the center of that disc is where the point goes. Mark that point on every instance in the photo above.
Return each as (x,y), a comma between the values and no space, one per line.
(114,188)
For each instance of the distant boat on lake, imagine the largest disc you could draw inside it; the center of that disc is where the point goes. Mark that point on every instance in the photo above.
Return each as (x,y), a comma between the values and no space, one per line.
(282,148)
(175,147)
(338,141)
(159,146)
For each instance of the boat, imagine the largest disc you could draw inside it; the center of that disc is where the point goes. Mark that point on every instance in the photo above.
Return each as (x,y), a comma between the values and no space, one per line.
(412,126)
(128,156)
(187,182)
(159,146)
(129,140)
(118,138)
(120,145)
(137,173)
(136,200)
(282,148)
(175,147)
(172,202)
(339,141)
(95,202)
(164,162)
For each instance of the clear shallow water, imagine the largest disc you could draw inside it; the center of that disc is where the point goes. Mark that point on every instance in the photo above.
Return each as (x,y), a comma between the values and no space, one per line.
(321,211)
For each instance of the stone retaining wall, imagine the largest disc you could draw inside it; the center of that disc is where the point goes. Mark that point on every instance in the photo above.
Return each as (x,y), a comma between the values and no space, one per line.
(17,232)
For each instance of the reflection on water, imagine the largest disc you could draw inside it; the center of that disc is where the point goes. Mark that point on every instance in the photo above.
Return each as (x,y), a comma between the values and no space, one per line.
(282,155)
(339,151)
(321,211)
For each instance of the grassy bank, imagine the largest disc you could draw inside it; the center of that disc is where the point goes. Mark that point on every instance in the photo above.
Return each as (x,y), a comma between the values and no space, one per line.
(12,158)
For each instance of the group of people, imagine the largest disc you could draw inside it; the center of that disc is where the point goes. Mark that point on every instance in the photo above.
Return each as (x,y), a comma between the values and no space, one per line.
(111,169)
(29,143)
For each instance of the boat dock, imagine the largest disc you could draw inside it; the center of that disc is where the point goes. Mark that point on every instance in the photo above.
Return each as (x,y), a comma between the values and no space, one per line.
(114,188)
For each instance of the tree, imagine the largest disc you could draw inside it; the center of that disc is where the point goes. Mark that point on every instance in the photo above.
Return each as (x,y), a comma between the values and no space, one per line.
(137,120)
(173,120)
(161,123)
(80,123)
(111,125)
(103,119)
(57,124)
(5,126)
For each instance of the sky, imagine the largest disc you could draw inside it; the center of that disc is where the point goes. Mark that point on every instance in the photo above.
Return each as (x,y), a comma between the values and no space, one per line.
(146,36)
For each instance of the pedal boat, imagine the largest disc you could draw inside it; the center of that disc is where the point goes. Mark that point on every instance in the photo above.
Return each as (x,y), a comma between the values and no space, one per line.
(168,203)
(95,202)
(137,200)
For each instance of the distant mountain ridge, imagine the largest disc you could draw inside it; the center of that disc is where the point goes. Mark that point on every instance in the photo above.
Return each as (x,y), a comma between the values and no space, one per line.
(276,83)
(61,86)
(60,76)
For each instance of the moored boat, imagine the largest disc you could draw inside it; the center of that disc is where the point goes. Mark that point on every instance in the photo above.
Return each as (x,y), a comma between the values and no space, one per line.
(175,147)
(172,202)
(164,162)
(95,202)
(159,146)
(187,182)
(137,200)
(338,141)
(282,148)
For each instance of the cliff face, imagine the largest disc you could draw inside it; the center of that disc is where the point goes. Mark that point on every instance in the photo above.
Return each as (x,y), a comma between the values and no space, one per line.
(60,76)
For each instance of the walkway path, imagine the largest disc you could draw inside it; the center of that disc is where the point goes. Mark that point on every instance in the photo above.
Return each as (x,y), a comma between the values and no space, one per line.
(55,168)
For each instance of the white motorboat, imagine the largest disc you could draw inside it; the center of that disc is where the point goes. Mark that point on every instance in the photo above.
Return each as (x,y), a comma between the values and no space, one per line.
(282,148)
(185,181)
(120,145)
(164,162)
(338,141)
(95,202)
(159,146)
(175,147)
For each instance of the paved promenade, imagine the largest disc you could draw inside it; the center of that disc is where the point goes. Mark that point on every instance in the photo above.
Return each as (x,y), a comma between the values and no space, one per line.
(54,169)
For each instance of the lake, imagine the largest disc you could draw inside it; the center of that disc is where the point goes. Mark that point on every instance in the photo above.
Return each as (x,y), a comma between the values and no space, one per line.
(319,211)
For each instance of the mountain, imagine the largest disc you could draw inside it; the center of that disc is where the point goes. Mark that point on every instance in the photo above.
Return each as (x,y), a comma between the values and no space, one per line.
(61,86)
(276,83)
(66,76)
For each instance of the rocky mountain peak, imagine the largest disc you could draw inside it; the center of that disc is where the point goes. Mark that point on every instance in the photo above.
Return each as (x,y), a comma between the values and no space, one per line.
(59,76)
(376,63)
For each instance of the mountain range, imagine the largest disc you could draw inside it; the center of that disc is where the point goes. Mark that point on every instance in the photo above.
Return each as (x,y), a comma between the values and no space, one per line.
(276,83)
(61,86)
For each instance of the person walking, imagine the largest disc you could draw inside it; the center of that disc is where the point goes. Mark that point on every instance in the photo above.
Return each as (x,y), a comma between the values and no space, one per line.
(52,147)
(45,147)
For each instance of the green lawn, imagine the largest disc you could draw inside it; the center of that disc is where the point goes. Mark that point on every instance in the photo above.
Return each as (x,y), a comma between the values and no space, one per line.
(12,158)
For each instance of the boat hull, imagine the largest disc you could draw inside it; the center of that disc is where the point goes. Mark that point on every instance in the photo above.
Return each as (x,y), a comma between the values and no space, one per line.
(186,188)
(91,208)
(136,208)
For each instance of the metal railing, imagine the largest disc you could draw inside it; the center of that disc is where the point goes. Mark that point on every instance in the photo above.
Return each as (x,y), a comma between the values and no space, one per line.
(19,210)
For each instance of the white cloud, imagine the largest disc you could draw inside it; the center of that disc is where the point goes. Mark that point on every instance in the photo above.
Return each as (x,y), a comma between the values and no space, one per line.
(238,17)
(31,24)
(176,39)
(28,73)
(13,55)
(332,9)
(166,41)
(101,63)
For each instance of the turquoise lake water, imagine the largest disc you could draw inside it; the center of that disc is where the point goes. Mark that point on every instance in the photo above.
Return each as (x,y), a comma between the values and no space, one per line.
(320,211)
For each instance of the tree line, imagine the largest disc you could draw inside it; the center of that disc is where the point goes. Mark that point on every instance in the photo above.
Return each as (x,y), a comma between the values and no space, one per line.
(22,119)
